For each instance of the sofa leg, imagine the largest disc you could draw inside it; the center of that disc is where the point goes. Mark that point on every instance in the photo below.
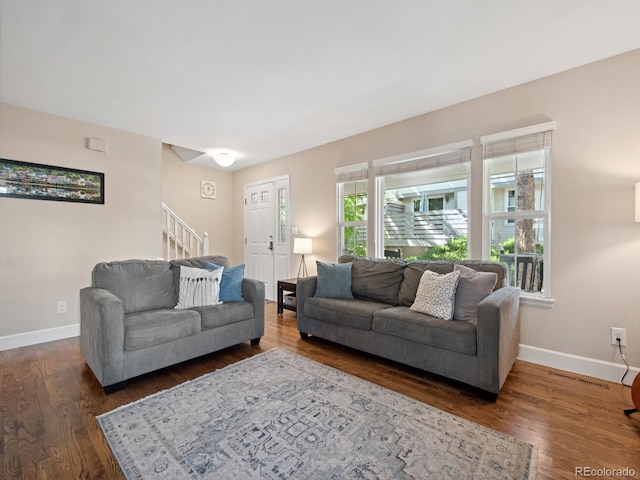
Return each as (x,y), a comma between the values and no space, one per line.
(492,397)
(109,389)
(255,341)
(304,336)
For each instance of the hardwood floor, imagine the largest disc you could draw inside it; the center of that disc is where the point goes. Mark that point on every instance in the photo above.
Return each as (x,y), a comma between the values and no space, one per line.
(50,399)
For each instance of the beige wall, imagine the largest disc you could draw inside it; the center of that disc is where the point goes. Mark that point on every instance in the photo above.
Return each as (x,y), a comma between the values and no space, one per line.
(596,162)
(182,195)
(47,248)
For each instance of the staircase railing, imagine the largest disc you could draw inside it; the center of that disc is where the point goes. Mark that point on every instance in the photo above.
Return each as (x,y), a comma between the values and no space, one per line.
(180,240)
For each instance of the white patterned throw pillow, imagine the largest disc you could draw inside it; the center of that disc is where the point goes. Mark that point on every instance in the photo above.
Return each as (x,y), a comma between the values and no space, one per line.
(436,294)
(199,287)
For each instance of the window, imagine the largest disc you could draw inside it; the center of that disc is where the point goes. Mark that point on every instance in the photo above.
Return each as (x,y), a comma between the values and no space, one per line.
(510,203)
(436,203)
(282,215)
(423,196)
(517,208)
(352,189)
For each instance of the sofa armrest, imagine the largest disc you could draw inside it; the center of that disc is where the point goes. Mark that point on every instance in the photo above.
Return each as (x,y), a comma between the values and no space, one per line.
(305,288)
(102,334)
(253,292)
(498,336)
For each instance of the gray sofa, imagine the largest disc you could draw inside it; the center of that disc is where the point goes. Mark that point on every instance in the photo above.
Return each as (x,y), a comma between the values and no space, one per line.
(379,320)
(129,326)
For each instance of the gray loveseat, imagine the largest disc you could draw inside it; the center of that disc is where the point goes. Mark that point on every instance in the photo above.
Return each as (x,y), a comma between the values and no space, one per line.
(379,320)
(129,326)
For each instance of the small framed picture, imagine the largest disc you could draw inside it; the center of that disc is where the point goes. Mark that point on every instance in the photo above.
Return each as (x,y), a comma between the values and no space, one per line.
(208,189)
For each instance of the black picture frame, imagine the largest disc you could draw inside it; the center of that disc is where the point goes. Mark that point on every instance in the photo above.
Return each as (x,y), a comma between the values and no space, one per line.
(47,182)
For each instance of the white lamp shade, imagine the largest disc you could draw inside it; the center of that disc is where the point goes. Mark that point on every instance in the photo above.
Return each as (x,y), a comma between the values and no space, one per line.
(638,202)
(302,245)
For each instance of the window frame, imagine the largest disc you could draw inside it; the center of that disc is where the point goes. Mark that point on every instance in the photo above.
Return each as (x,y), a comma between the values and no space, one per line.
(543,298)
(422,160)
(344,175)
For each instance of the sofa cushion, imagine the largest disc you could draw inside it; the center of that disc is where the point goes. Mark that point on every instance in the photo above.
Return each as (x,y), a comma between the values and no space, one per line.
(414,270)
(231,283)
(199,287)
(375,279)
(224,314)
(350,312)
(140,284)
(473,286)
(195,262)
(334,280)
(153,327)
(402,322)
(436,294)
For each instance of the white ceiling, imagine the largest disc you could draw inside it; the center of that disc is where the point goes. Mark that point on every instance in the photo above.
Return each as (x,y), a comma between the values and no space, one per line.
(264,79)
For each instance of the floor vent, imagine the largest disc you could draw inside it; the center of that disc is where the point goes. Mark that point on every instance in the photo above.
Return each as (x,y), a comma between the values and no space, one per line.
(580,380)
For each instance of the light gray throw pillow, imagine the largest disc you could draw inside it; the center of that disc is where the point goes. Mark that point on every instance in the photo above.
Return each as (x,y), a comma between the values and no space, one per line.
(436,294)
(473,286)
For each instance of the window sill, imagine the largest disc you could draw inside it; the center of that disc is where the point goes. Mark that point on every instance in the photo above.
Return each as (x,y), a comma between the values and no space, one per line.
(536,301)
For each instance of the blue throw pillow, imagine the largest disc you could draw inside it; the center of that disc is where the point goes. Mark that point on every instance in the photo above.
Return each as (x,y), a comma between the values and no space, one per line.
(231,283)
(334,280)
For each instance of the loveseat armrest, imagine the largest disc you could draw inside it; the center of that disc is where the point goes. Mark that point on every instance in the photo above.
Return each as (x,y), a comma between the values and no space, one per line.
(253,292)
(102,334)
(498,336)
(305,288)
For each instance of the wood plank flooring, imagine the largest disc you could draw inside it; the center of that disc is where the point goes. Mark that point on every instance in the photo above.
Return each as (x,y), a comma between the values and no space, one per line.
(49,400)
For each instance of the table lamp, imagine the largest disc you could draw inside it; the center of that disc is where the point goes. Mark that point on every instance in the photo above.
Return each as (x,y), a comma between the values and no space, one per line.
(302,245)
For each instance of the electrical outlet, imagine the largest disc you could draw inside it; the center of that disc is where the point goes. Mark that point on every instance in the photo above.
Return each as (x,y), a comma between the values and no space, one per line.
(62,306)
(618,333)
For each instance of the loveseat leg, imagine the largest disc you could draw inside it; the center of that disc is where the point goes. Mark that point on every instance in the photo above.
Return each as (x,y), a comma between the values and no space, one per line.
(304,335)
(255,341)
(109,389)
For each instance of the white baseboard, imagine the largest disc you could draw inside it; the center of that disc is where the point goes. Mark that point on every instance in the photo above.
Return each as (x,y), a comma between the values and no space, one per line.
(591,367)
(39,336)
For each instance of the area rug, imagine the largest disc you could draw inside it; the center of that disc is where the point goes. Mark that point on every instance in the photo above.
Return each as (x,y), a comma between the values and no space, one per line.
(278,415)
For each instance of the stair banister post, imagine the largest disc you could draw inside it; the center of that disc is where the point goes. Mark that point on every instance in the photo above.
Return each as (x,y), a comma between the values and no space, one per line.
(205,244)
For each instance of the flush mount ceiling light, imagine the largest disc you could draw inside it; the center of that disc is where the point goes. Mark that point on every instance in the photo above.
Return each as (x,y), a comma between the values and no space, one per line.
(224,159)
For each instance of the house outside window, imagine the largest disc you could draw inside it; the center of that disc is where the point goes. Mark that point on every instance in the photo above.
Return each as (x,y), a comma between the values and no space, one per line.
(517,207)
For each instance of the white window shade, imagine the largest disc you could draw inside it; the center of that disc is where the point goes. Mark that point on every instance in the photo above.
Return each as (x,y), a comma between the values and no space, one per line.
(352,173)
(523,140)
(459,153)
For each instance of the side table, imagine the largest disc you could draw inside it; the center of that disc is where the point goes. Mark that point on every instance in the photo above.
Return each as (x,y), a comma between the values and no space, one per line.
(286,286)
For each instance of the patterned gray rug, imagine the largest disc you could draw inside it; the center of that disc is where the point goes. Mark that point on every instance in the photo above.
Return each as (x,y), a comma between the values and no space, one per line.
(278,415)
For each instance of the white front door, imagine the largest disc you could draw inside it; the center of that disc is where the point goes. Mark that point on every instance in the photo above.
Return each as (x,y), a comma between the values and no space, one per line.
(266,227)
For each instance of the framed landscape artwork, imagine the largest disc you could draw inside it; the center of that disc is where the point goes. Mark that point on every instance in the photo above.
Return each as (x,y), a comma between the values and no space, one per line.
(45,182)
